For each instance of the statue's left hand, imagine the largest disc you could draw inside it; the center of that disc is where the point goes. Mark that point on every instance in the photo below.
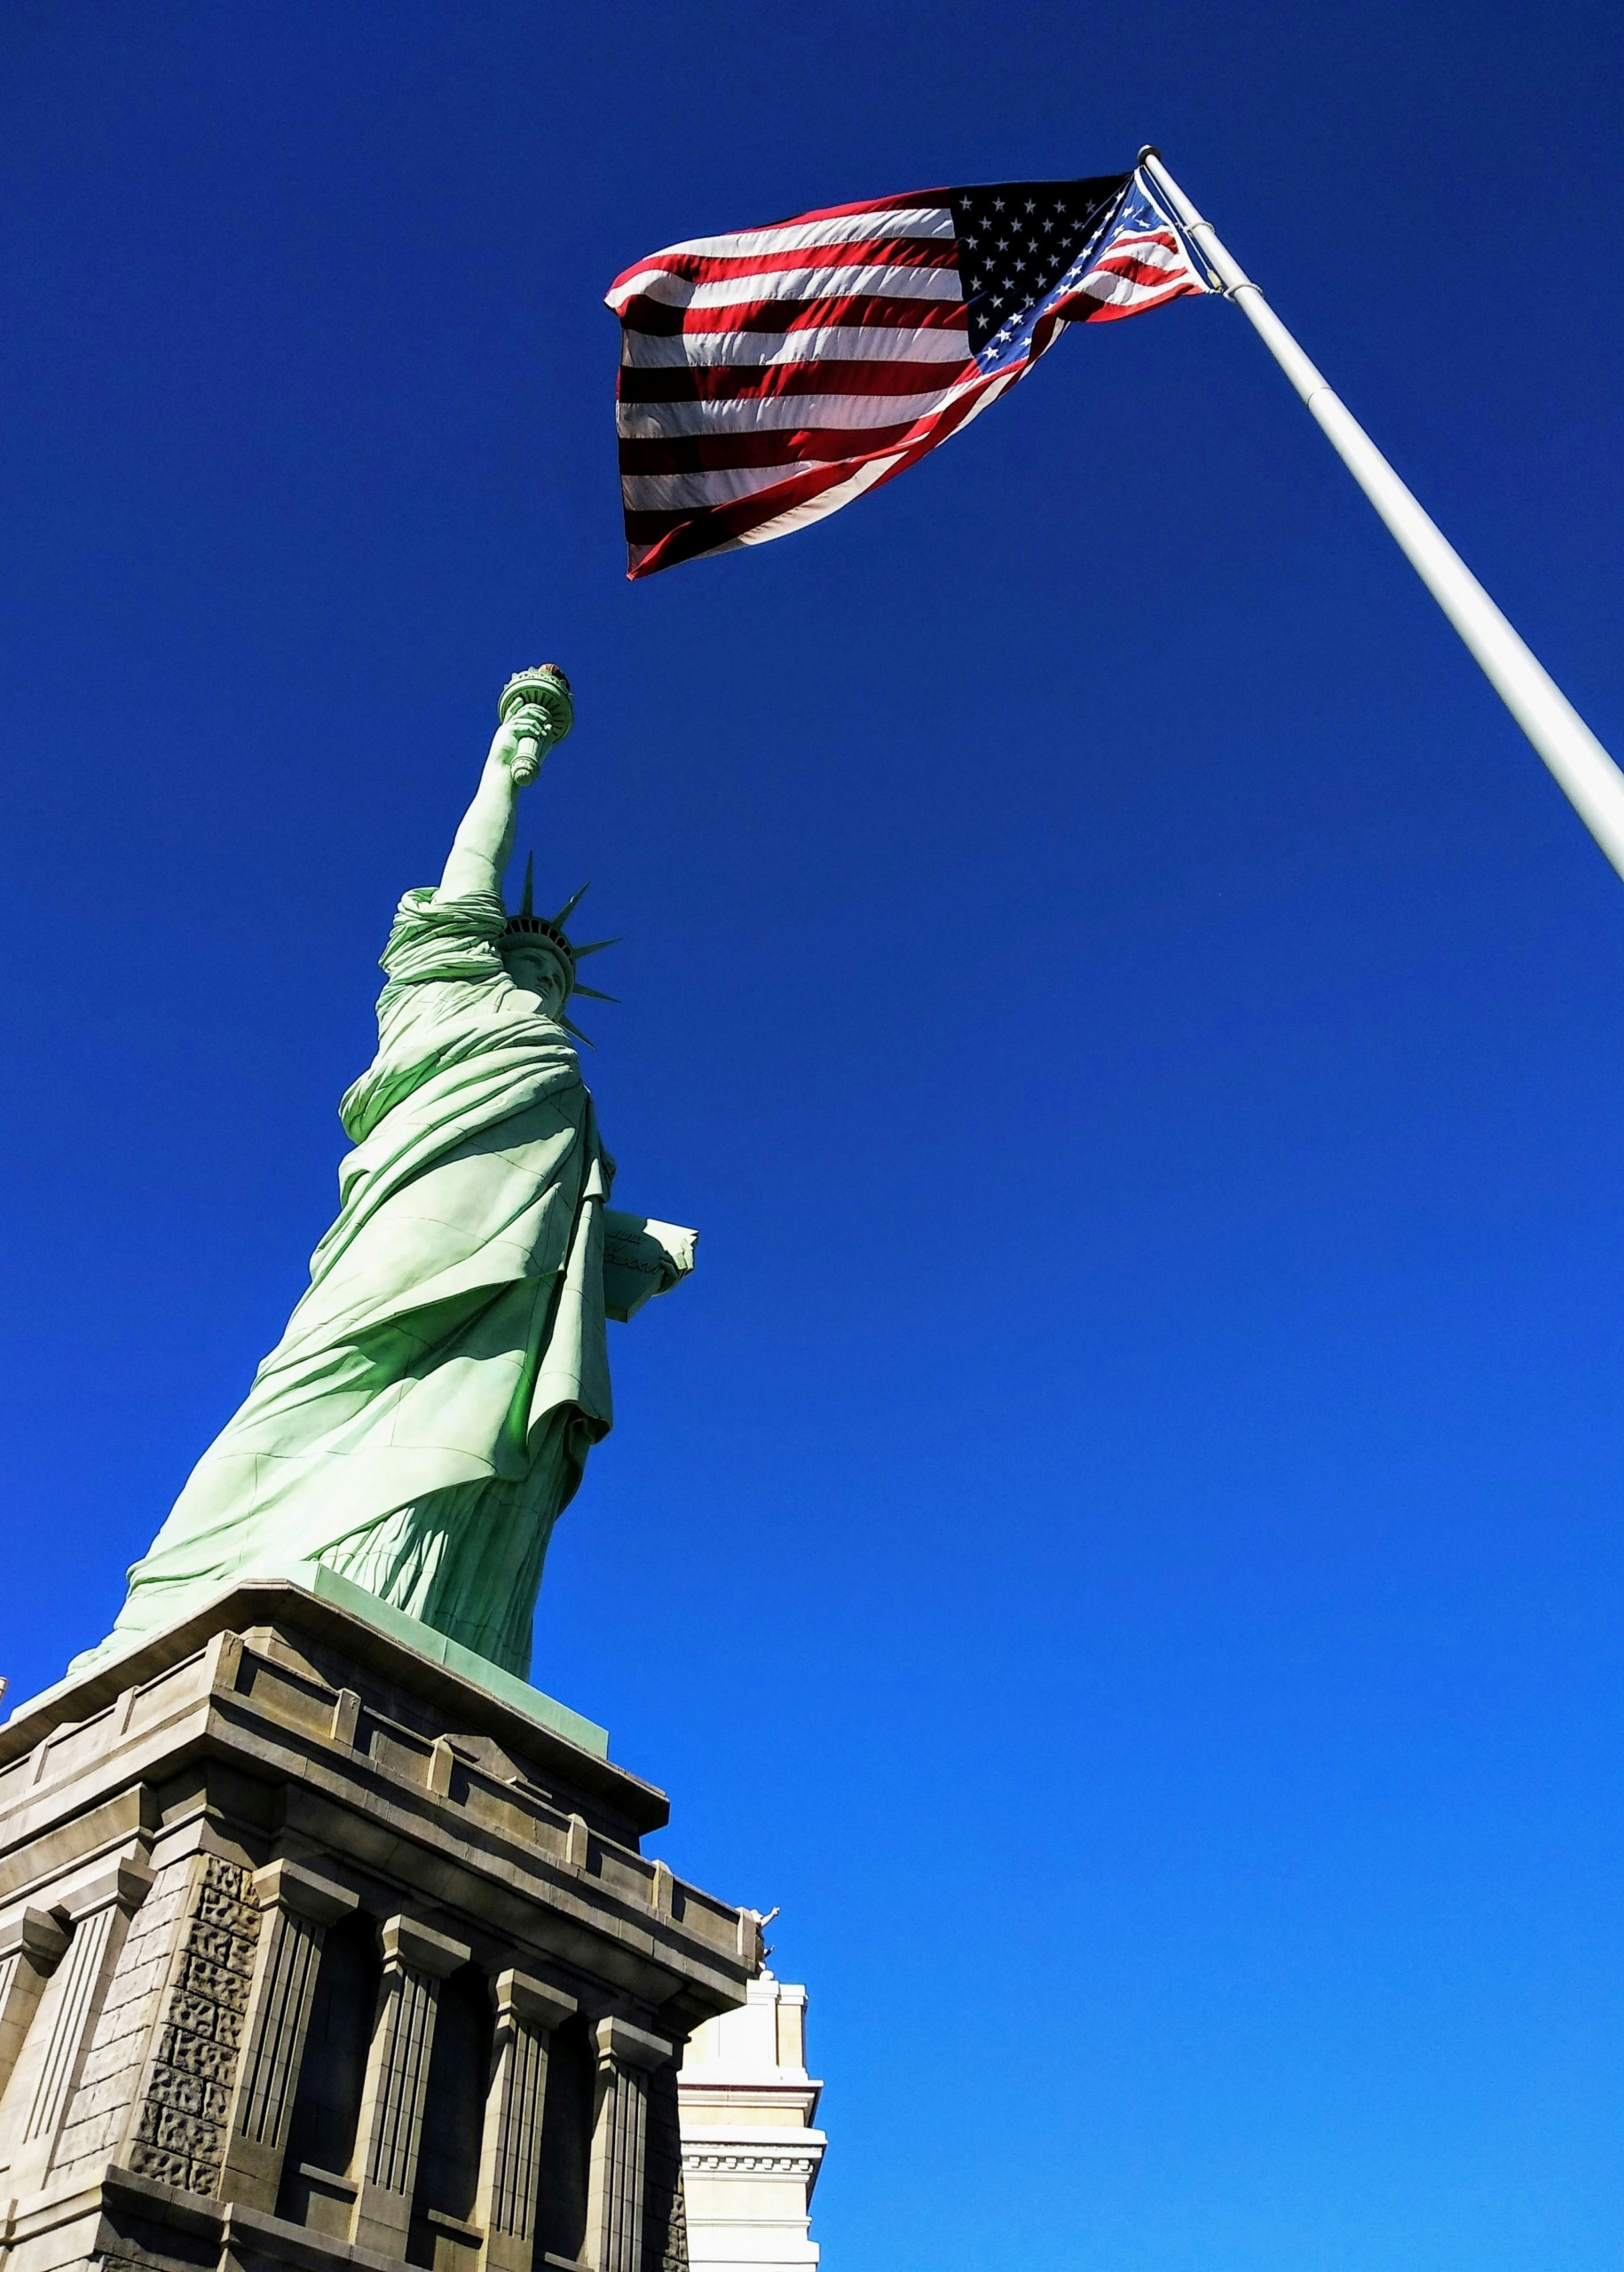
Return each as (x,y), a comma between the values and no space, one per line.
(529,727)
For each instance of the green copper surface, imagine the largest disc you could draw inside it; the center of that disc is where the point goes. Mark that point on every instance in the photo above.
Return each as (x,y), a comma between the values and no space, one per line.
(427,1414)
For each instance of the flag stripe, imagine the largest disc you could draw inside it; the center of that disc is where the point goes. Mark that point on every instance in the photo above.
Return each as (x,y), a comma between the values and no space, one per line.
(1090,310)
(922,211)
(852,411)
(783,260)
(765,381)
(872,310)
(839,342)
(787,236)
(661,491)
(896,279)
(725,452)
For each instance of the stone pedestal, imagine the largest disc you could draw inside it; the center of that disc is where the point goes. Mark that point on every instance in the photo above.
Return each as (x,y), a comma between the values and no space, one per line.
(316,1952)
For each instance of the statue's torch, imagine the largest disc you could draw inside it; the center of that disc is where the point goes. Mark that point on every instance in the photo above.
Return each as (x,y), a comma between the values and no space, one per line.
(541,698)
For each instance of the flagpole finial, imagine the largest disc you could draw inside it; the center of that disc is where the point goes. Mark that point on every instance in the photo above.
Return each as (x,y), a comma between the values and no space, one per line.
(1149,151)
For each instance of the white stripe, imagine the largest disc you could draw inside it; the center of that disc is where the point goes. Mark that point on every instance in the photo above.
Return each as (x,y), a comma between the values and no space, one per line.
(628,287)
(655,421)
(818,508)
(796,235)
(668,291)
(1145,247)
(1117,291)
(664,492)
(1133,298)
(846,342)
(1148,251)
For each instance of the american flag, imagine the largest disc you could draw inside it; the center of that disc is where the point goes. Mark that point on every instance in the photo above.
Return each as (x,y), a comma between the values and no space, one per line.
(769,377)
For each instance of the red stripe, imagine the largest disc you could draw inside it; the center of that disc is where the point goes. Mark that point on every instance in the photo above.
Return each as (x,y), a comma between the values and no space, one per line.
(766,381)
(938,197)
(865,252)
(864,205)
(731,452)
(1136,270)
(1112,310)
(656,321)
(1164,237)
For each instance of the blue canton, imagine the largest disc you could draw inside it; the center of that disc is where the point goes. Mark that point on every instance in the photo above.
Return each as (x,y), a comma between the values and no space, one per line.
(1023,246)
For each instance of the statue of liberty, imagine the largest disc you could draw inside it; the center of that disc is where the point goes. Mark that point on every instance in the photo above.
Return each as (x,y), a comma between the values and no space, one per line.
(426,1416)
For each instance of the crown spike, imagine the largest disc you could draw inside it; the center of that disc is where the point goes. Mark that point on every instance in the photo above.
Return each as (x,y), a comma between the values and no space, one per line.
(527,905)
(572,1026)
(593,947)
(570,906)
(592,993)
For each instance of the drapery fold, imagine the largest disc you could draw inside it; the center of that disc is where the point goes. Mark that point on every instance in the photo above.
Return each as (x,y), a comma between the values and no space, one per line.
(427,1414)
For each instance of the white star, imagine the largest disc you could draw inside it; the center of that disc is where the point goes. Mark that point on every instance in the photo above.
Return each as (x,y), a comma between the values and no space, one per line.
(997,205)
(1031,205)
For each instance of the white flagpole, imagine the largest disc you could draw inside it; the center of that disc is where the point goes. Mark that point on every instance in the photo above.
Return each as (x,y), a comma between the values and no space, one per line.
(1593,783)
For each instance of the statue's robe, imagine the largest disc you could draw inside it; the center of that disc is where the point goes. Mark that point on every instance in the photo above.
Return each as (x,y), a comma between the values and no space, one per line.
(427,1415)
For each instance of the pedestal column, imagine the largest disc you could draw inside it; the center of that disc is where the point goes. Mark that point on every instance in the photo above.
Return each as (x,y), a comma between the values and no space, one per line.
(99,1914)
(298,1907)
(415,1960)
(614,2216)
(31,1946)
(527,2011)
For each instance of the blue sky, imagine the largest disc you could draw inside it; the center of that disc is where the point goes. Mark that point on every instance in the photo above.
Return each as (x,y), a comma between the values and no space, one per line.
(1119,1538)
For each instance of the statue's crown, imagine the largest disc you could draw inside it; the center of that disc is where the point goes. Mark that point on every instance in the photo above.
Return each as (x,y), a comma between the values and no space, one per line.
(528,925)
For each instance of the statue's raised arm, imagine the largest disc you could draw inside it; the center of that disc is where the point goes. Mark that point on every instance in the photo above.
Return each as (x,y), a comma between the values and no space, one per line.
(535,712)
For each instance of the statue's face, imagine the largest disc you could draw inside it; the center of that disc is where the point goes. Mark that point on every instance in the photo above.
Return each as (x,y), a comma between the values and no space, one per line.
(538,972)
